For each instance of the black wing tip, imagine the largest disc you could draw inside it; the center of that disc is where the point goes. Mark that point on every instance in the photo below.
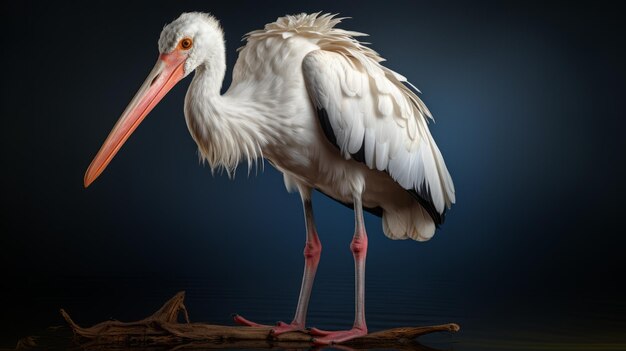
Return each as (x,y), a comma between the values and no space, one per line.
(326,127)
(426,202)
(422,195)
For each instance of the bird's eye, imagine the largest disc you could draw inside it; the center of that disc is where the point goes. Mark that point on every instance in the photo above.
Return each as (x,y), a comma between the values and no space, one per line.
(185,44)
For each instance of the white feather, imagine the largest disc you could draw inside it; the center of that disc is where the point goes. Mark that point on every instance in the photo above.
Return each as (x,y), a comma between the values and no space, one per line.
(283,74)
(413,158)
(382,158)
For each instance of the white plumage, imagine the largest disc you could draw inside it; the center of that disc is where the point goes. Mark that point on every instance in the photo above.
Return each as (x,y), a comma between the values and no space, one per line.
(321,107)
(304,58)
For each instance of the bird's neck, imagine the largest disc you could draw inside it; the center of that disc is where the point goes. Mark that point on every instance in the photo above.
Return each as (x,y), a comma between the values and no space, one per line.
(209,75)
(227,128)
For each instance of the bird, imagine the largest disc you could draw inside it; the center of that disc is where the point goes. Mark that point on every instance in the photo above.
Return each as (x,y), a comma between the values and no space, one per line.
(320,107)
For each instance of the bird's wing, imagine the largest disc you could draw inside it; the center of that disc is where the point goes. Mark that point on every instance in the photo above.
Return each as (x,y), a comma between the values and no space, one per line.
(368,113)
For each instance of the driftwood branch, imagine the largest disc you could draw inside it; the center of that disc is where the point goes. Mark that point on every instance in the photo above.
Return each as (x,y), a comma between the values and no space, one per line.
(163,328)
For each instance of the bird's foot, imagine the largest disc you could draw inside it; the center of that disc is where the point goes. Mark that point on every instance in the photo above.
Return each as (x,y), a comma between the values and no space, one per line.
(247,323)
(324,337)
(282,327)
(279,328)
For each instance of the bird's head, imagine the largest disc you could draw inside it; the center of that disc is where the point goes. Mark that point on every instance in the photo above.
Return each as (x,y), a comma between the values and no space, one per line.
(193,39)
(194,35)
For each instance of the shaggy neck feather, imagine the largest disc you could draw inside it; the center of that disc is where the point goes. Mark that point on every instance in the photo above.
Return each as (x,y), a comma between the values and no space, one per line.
(227,129)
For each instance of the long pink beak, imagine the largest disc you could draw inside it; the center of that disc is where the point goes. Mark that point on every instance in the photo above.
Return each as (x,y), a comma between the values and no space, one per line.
(168,71)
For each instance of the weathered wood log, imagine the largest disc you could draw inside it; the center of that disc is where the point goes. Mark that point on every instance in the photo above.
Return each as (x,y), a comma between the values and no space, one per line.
(163,328)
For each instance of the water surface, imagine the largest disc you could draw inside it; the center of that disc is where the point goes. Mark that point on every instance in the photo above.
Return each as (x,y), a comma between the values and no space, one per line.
(390,303)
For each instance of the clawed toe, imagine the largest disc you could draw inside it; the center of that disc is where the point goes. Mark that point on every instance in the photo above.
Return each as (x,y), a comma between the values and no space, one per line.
(337,336)
(277,329)
(318,332)
(247,323)
(282,327)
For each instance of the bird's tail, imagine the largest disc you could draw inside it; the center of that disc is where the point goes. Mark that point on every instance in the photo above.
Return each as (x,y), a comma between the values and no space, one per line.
(408,222)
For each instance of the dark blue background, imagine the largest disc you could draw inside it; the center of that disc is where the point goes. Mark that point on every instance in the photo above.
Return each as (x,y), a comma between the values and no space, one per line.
(529,106)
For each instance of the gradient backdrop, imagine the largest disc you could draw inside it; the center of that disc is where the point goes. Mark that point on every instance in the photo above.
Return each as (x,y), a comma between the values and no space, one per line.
(529,106)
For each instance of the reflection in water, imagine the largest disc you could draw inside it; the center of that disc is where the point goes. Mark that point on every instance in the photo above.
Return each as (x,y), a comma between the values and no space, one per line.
(61,338)
(586,325)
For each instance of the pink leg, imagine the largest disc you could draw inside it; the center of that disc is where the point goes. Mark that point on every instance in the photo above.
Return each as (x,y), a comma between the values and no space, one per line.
(312,251)
(358,246)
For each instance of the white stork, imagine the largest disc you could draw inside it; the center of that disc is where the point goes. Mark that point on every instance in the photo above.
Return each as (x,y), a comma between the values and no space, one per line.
(319,106)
